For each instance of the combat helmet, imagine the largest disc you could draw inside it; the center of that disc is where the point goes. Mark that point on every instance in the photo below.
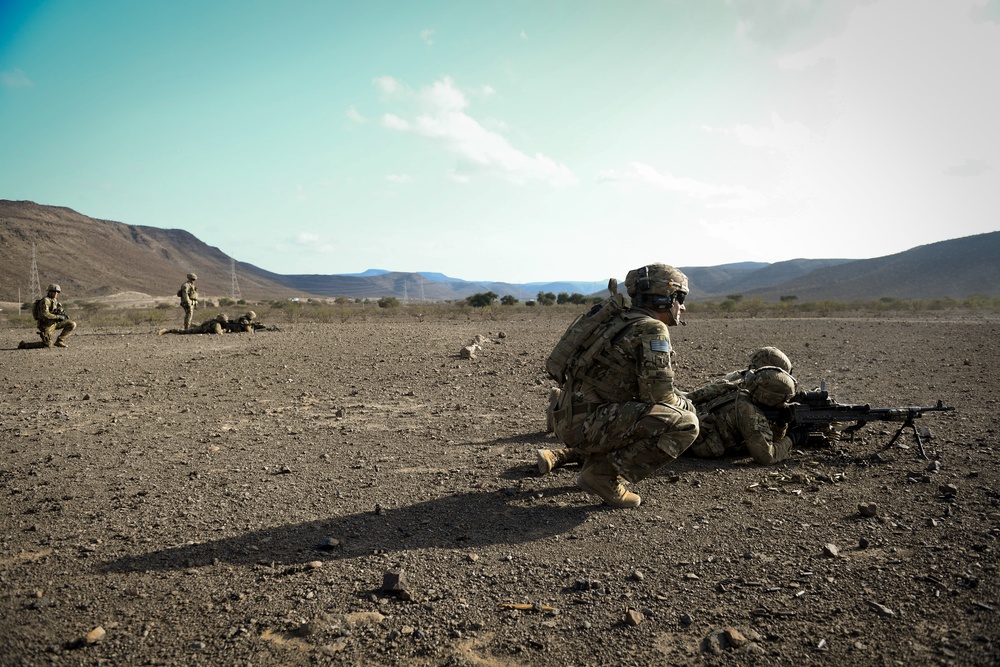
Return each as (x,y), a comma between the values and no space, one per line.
(661,282)
(192,276)
(770,356)
(222,318)
(251,315)
(53,287)
(770,385)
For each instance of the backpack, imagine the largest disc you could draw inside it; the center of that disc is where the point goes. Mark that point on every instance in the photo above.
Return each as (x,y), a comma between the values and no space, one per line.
(180,292)
(584,338)
(38,309)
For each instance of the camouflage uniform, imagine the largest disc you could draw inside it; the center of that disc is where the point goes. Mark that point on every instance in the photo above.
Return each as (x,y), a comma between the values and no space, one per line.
(49,315)
(737,425)
(213,326)
(706,446)
(732,420)
(622,414)
(189,299)
(243,324)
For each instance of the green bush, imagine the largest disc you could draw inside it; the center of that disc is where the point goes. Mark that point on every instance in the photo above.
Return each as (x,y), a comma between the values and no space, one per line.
(388,302)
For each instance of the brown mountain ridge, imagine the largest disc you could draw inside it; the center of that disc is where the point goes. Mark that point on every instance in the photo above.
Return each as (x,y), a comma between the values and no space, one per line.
(94,258)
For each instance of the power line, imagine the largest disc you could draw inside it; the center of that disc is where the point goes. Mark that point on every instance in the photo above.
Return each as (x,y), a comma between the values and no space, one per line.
(35,286)
(235,289)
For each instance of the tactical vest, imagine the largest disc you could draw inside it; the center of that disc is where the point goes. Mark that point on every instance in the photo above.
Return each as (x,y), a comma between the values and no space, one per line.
(588,335)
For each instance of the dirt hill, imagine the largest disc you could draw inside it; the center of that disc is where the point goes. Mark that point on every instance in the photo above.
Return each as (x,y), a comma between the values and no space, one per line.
(96,258)
(91,257)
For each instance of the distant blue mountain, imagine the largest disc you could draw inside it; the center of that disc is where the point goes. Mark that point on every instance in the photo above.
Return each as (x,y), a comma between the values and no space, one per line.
(429,275)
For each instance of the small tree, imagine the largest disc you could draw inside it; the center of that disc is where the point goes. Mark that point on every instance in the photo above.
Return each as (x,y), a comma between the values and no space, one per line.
(508,300)
(388,302)
(546,298)
(481,300)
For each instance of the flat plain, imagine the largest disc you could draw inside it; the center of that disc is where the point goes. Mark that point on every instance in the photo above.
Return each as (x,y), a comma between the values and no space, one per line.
(359,493)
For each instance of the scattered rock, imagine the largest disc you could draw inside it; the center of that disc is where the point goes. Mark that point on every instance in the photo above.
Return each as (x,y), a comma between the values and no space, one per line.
(394,581)
(328,544)
(867,510)
(881,609)
(831,550)
(633,617)
(95,635)
(734,637)
(948,490)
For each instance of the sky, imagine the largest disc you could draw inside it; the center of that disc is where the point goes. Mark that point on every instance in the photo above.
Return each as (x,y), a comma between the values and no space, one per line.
(510,140)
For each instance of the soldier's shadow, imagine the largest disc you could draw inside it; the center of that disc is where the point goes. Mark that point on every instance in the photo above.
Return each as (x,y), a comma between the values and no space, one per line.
(468,520)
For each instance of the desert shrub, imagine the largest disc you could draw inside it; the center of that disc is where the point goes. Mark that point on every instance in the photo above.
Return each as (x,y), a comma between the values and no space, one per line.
(508,300)
(388,302)
(546,298)
(226,301)
(165,306)
(481,300)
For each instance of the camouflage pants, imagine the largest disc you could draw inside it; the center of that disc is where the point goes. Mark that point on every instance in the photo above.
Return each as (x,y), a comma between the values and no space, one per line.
(46,332)
(188,314)
(638,438)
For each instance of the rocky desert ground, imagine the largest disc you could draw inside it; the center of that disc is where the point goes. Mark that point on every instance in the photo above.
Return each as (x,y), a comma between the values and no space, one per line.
(358,493)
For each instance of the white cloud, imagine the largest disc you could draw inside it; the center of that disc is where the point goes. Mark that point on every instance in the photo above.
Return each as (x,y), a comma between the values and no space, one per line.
(400,179)
(309,241)
(15,78)
(717,196)
(354,115)
(779,135)
(388,85)
(394,122)
(443,119)
(427,35)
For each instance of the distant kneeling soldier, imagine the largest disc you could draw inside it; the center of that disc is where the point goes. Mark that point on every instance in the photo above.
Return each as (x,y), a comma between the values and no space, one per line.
(50,315)
(213,326)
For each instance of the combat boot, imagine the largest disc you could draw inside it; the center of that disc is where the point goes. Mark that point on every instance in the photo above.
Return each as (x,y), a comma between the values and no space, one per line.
(60,343)
(550,459)
(602,479)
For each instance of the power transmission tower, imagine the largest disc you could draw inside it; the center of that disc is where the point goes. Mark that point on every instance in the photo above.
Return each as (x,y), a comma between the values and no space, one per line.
(235,289)
(34,287)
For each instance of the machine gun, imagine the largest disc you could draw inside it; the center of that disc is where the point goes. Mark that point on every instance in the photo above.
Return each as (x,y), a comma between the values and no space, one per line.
(812,412)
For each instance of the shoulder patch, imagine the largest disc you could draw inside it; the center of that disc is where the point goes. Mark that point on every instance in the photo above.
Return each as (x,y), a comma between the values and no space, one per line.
(659,345)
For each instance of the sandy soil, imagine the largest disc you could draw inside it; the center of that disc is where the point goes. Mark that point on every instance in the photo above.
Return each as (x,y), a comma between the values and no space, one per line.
(360,494)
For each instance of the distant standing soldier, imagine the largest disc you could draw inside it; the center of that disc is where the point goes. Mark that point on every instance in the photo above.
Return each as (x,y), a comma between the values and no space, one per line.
(189,299)
(216,325)
(50,315)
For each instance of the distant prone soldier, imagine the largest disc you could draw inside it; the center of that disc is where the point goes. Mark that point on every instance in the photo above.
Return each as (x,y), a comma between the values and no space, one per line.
(213,326)
(245,323)
(50,315)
